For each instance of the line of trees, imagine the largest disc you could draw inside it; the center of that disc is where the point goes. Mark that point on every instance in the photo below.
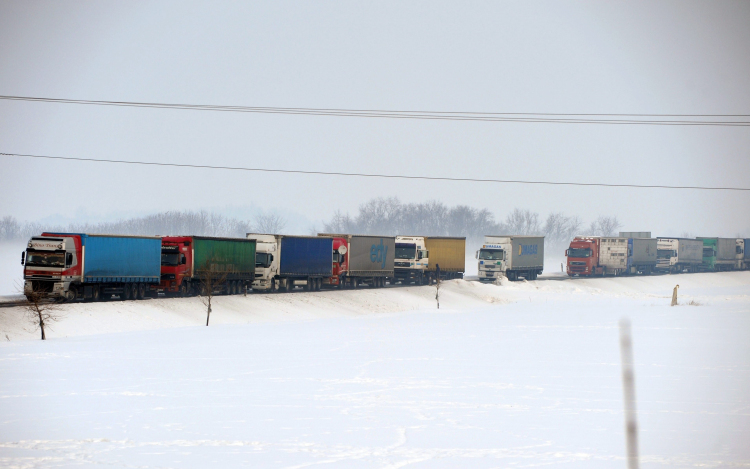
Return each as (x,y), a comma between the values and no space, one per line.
(380,216)
(388,216)
(201,223)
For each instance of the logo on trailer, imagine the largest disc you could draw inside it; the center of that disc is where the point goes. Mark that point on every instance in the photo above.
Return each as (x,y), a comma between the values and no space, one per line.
(527,249)
(378,253)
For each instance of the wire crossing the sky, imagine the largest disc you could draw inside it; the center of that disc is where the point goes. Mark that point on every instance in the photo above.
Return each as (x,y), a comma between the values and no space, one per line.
(722,120)
(373,175)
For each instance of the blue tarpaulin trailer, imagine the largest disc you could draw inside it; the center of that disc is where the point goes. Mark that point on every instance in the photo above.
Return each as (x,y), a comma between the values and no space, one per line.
(303,256)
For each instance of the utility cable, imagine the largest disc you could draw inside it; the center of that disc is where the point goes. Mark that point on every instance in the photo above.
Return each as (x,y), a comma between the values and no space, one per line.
(526,117)
(373,175)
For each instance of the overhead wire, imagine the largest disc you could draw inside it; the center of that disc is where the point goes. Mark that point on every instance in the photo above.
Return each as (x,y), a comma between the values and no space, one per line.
(374,175)
(524,117)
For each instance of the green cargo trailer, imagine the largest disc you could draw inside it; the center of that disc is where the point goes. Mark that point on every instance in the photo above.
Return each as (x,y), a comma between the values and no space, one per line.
(233,256)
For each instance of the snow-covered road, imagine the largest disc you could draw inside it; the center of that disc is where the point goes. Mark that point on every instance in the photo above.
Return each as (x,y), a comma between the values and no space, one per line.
(520,375)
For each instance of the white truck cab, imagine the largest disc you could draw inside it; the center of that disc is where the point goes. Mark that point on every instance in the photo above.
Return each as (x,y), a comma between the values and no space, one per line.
(411,259)
(511,256)
(266,261)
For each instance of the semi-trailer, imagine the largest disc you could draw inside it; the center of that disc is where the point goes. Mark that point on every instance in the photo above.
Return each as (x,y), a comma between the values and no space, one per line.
(361,260)
(447,257)
(73,266)
(411,260)
(642,255)
(511,256)
(676,255)
(719,254)
(190,263)
(289,261)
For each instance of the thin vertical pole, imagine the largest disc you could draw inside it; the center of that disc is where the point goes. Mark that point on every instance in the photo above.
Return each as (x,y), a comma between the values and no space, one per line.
(628,390)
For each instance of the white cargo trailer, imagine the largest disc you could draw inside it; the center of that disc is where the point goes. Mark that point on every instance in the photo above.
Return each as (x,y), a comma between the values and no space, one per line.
(511,256)
(613,255)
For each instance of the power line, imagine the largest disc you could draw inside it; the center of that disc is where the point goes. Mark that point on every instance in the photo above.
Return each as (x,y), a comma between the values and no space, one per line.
(372,175)
(527,117)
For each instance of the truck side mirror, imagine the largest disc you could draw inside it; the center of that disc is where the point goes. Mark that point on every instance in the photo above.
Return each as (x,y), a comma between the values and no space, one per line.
(566,252)
(183,260)
(23,258)
(270,258)
(69,259)
(476,255)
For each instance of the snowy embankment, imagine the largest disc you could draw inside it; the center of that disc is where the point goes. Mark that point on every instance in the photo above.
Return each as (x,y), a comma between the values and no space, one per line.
(457,295)
(523,374)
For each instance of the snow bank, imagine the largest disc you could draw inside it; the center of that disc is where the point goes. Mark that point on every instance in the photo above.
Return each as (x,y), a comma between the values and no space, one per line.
(520,375)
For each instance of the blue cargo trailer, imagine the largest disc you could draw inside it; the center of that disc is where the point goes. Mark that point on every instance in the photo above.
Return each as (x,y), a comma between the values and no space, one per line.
(126,259)
(305,260)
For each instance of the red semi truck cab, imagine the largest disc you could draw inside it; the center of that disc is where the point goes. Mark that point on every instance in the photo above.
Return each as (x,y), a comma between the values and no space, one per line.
(176,263)
(583,256)
(340,262)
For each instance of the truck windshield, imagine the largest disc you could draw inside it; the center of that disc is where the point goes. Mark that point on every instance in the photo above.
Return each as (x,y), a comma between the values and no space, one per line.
(170,258)
(491,254)
(406,251)
(45,259)
(579,252)
(708,252)
(665,253)
(262,259)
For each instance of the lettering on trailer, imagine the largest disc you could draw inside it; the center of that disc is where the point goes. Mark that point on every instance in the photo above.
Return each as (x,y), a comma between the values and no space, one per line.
(527,249)
(378,253)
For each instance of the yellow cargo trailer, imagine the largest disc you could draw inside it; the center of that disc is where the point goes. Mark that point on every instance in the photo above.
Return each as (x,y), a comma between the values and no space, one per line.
(447,252)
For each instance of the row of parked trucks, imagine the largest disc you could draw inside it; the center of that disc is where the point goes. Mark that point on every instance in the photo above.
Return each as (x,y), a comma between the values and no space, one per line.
(93,267)
(638,253)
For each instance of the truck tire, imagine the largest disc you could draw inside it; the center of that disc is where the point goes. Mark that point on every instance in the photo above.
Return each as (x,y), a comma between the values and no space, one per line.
(125,295)
(289,285)
(141,291)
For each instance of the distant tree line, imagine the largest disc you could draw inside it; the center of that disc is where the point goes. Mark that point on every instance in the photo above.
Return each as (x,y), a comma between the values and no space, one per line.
(389,216)
(200,223)
(384,216)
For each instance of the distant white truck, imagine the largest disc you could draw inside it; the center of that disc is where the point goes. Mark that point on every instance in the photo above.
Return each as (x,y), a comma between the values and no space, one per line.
(266,261)
(675,255)
(511,256)
(411,260)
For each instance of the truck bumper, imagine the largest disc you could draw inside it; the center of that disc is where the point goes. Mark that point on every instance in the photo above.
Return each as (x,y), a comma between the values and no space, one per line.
(489,274)
(408,274)
(52,288)
(261,284)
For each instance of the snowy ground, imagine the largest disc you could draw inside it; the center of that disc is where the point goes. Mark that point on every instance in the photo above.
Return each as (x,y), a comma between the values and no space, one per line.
(518,375)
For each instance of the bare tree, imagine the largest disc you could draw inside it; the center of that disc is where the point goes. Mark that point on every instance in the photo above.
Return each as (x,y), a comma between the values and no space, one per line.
(212,280)
(686,234)
(523,222)
(9,228)
(271,223)
(560,229)
(605,226)
(40,310)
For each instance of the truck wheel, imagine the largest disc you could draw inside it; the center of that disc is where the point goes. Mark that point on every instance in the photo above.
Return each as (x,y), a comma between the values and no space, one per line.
(319,284)
(354,283)
(289,285)
(141,291)
(134,291)
(96,294)
(125,295)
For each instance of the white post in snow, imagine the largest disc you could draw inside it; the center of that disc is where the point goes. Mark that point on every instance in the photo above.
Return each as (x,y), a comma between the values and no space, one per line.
(628,391)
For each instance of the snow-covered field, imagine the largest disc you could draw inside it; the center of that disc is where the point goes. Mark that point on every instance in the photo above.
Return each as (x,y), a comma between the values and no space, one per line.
(513,375)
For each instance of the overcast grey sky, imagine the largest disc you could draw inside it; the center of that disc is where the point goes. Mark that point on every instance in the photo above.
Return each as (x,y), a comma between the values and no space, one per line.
(582,57)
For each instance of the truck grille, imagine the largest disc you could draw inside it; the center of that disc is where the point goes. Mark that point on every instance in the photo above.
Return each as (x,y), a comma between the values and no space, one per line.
(401,264)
